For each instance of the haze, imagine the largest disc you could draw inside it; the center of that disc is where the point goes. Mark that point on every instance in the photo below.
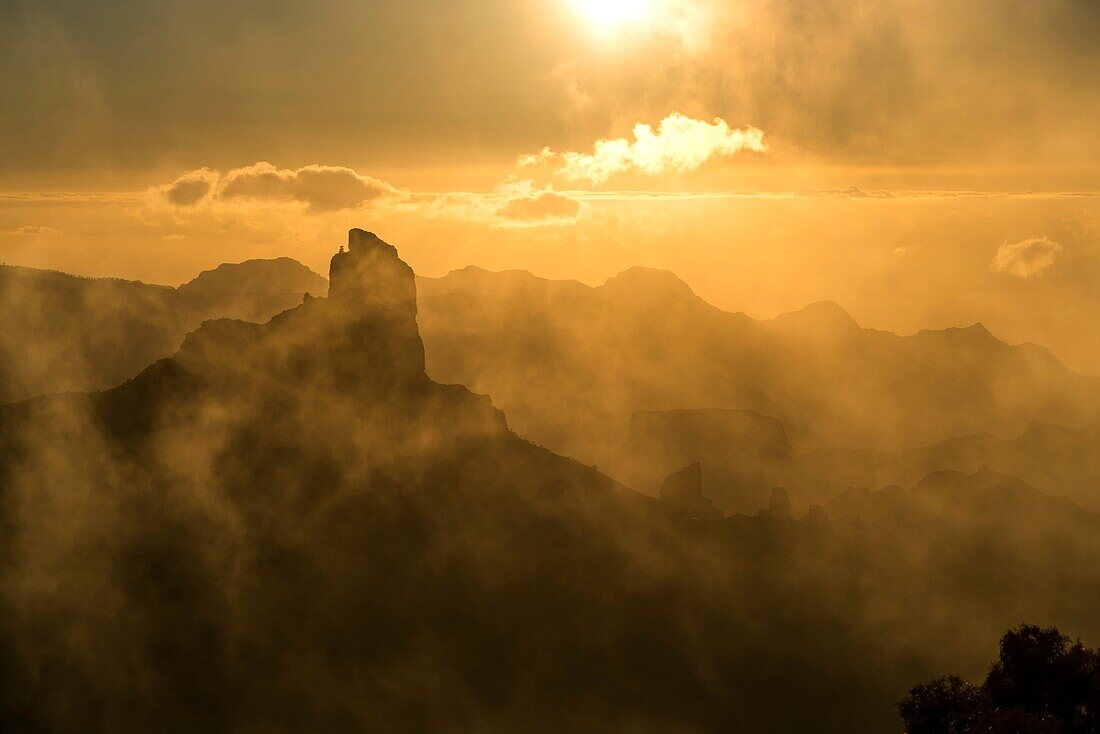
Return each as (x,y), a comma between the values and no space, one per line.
(877,116)
(550,365)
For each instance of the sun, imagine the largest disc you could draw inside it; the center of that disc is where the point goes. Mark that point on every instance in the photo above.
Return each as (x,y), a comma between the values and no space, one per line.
(605,14)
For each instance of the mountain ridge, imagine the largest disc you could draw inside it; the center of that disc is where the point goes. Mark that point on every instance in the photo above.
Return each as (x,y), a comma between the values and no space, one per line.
(289,526)
(264,275)
(860,387)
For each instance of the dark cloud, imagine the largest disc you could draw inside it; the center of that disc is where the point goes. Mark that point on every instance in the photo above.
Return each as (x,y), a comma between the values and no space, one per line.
(836,78)
(867,80)
(191,188)
(208,82)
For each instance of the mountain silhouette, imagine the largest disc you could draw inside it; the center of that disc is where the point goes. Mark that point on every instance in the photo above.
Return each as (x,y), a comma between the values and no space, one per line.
(65,333)
(643,341)
(1055,459)
(684,491)
(744,454)
(278,275)
(290,527)
(963,498)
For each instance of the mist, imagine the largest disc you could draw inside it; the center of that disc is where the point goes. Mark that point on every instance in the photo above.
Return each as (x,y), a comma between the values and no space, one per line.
(289,525)
(565,365)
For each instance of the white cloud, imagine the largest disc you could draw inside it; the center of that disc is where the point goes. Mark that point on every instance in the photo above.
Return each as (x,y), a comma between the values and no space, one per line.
(535,159)
(678,145)
(1026,258)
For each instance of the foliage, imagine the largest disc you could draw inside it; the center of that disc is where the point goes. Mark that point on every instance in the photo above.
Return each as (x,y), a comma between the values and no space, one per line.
(1041,683)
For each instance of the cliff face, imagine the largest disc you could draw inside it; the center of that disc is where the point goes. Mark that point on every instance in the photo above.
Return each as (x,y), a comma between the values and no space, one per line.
(360,341)
(289,527)
(375,292)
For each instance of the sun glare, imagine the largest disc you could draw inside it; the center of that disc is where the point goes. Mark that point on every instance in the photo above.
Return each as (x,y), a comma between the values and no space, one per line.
(606,14)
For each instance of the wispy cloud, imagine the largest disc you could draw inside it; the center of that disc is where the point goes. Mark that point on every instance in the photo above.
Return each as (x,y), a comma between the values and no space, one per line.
(678,145)
(1026,258)
(72,197)
(851,192)
(515,203)
(29,230)
(543,208)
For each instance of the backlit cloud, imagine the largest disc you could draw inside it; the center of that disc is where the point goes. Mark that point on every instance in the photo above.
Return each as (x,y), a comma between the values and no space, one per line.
(543,208)
(514,203)
(1026,258)
(678,145)
(191,188)
(317,188)
(321,188)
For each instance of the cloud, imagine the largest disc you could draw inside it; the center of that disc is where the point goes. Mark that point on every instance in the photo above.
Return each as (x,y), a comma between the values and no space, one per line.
(678,145)
(860,82)
(191,188)
(1026,258)
(321,188)
(30,230)
(69,197)
(318,188)
(514,203)
(854,192)
(535,159)
(543,208)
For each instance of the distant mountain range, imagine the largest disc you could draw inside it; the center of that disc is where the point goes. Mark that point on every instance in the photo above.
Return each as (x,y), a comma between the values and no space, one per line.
(639,376)
(289,526)
(644,342)
(61,332)
(744,454)
(280,275)
(641,342)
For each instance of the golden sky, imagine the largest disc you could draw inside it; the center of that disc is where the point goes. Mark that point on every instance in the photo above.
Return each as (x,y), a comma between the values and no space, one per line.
(924,164)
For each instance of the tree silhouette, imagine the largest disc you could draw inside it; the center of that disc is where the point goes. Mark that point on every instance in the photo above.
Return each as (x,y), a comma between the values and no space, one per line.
(1042,683)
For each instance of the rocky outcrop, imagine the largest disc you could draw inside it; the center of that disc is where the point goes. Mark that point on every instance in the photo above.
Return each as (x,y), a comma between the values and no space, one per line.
(373,292)
(779,507)
(683,491)
(362,338)
(744,453)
